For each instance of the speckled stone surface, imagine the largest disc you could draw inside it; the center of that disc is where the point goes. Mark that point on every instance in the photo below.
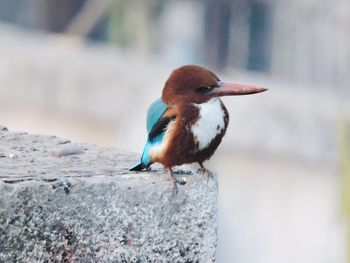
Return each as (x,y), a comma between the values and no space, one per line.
(88,207)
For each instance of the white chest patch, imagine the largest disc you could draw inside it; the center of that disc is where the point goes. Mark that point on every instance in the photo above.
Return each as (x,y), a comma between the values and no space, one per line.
(210,123)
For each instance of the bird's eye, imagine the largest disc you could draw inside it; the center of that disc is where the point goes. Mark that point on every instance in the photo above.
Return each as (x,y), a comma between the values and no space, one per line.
(203,89)
(207,89)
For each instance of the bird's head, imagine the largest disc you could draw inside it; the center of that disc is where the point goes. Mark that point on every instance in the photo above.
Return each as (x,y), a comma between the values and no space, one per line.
(195,84)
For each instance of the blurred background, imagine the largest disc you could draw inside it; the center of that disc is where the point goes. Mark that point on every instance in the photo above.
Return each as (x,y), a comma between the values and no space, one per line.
(88,69)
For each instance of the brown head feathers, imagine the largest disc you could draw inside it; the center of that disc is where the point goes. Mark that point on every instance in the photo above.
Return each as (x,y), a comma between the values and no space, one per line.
(189,84)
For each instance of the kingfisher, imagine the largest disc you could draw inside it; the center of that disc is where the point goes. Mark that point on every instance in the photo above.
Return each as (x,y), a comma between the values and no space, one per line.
(186,125)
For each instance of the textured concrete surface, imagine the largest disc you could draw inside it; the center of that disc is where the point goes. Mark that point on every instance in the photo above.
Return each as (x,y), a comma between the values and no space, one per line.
(85,206)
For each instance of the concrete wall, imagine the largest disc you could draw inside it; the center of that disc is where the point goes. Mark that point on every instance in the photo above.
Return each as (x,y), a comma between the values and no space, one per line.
(87,207)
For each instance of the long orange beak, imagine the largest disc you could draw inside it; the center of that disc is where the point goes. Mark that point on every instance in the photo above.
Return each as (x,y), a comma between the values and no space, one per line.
(234,89)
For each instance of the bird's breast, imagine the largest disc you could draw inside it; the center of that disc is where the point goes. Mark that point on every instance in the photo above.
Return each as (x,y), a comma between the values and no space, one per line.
(212,122)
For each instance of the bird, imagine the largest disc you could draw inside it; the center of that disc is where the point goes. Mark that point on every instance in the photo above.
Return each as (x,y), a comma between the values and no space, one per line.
(187,123)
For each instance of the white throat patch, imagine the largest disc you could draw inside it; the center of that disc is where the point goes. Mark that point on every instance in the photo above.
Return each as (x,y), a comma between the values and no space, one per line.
(210,123)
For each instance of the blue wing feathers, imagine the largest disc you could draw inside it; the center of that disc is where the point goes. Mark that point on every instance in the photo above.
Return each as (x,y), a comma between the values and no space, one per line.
(145,159)
(155,112)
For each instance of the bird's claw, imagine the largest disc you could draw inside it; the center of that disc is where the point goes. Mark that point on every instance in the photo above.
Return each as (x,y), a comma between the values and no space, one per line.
(206,172)
(175,189)
(177,182)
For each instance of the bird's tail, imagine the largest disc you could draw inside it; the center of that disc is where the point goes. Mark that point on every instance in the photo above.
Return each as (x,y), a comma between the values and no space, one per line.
(145,161)
(138,167)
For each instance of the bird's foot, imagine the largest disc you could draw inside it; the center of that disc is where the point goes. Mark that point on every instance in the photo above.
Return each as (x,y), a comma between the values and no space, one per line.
(175,188)
(204,171)
(176,181)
